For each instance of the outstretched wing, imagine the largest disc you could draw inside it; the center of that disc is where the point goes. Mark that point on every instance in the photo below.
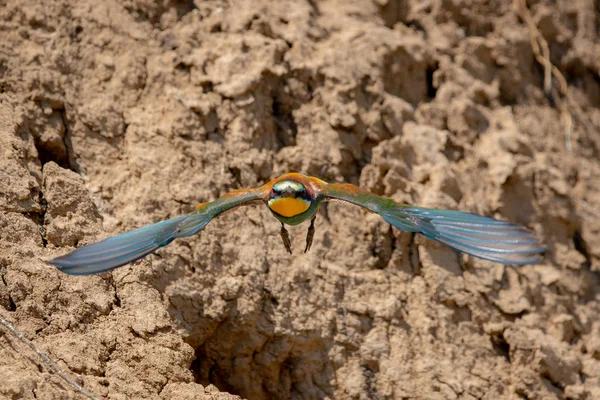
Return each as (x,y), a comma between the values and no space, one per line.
(122,249)
(479,236)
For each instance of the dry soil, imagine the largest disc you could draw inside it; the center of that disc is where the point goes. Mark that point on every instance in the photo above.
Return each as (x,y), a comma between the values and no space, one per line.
(115,114)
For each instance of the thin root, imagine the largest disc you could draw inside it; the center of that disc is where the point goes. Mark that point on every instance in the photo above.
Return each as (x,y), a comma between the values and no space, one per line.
(541,52)
(46,360)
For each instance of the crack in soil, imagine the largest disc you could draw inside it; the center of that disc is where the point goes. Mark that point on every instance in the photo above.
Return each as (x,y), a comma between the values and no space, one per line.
(72,163)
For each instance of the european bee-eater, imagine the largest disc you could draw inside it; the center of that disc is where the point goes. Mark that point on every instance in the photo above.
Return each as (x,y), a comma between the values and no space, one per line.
(294,198)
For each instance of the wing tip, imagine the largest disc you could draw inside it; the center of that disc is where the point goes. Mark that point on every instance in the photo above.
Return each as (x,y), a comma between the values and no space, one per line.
(63,264)
(66,268)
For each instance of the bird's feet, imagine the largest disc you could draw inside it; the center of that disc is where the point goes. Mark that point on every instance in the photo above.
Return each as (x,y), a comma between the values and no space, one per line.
(285,236)
(310,234)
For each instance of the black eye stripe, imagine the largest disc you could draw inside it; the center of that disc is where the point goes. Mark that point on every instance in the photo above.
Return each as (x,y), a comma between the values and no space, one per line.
(292,189)
(303,194)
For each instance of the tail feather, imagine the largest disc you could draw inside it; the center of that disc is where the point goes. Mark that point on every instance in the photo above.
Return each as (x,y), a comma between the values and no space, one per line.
(122,249)
(473,234)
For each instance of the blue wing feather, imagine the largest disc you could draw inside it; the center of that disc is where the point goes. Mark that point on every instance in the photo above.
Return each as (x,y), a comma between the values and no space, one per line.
(122,249)
(119,250)
(473,234)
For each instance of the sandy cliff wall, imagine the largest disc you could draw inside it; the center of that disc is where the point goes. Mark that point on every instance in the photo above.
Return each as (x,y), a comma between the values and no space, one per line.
(118,114)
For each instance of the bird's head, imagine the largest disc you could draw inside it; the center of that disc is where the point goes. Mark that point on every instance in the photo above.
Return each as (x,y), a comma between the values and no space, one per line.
(289,198)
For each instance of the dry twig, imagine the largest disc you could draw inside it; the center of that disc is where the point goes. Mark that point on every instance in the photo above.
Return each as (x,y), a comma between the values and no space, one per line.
(47,361)
(541,52)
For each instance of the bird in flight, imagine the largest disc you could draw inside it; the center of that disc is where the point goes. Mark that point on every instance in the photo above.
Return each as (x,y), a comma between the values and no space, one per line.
(294,198)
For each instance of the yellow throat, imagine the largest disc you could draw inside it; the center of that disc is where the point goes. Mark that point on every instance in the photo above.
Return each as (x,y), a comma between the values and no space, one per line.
(289,206)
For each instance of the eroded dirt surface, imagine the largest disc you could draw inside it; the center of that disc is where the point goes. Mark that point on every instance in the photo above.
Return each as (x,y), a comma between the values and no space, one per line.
(118,114)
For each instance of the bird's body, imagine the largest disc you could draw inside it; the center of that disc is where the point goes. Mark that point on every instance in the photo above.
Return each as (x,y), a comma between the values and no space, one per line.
(295,198)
